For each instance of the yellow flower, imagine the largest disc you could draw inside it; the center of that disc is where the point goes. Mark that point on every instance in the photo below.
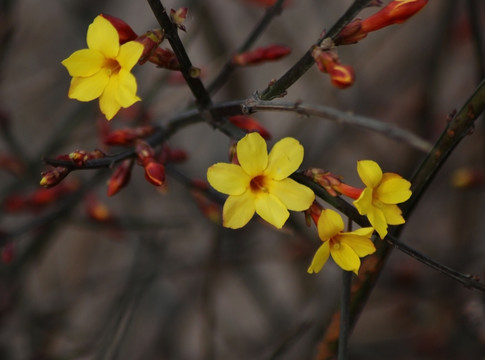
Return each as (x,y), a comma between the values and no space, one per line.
(103,69)
(260,183)
(379,198)
(345,247)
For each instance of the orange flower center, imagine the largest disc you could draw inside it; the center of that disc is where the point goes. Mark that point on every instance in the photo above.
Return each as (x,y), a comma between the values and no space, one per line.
(112,65)
(258,184)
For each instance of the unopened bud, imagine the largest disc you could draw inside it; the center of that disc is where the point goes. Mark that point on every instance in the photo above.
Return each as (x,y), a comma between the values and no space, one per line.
(260,55)
(249,124)
(313,213)
(164,58)
(155,173)
(127,137)
(341,76)
(120,177)
(53,176)
(97,210)
(150,41)
(144,152)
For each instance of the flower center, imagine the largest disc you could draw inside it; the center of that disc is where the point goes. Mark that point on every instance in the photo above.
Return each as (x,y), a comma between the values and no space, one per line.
(257,184)
(335,243)
(112,65)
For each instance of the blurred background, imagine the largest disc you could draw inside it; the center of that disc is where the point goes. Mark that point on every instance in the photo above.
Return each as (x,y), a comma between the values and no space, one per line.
(158,280)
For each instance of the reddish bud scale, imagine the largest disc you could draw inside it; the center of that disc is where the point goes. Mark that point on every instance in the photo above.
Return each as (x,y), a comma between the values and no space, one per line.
(259,55)
(120,177)
(42,197)
(128,136)
(144,152)
(169,155)
(80,157)
(155,173)
(150,41)
(341,76)
(53,176)
(164,58)
(249,124)
(125,32)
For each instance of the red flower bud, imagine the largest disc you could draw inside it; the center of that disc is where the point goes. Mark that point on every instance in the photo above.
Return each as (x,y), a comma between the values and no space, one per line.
(97,210)
(127,136)
(43,197)
(164,58)
(150,41)
(125,32)
(79,157)
(249,124)
(341,76)
(144,152)
(351,33)
(178,17)
(120,177)
(259,55)
(169,155)
(396,12)
(53,176)
(155,173)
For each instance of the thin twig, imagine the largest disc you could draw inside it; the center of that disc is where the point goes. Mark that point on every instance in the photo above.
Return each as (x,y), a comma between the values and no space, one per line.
(333,114)
(278,88)
(229,67)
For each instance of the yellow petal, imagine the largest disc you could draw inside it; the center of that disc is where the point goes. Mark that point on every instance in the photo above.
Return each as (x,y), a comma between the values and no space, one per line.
(370,173)
(392,213)
(88,88)
(102,36)
(378,221)
(284,159)
(271,209)
(126,91)
(108,104)
(238,210)
(364,202)
(361,245)
(345,257)
(252,154)
(295,196)
(366,232)
(393,189)
(129,54)
(330,223)
(85,62)
(320,258)
(228,179)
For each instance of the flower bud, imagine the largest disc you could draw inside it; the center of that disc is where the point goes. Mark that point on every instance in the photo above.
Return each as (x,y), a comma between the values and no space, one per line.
(164,58)
(144,152)
(467,178)
(259,55)
(80,157)
(169,155)
(97,210)
(249,124)
(127,136)
(53,176)
(155,173)
(351,33)
(178,17)
(150,41)
(120,177)
(125,32)
(341,76)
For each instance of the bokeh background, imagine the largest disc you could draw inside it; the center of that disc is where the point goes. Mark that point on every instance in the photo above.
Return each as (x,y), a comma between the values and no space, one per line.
(161,281)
